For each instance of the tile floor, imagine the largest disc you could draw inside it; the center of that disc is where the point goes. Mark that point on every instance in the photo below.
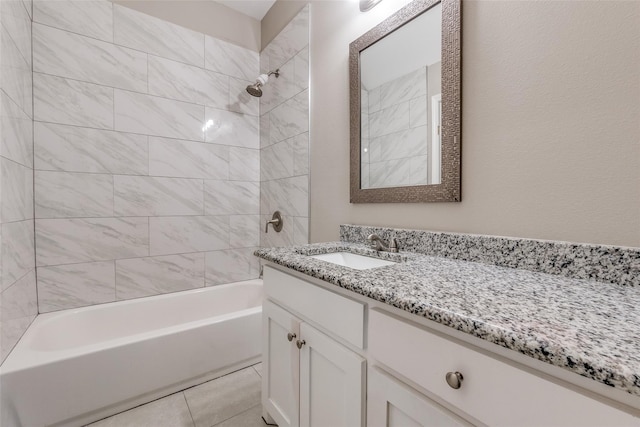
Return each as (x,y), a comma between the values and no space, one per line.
(229,401)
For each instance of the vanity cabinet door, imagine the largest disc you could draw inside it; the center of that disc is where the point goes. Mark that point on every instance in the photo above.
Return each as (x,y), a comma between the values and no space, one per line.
(280,356)
(391,403)
(331,382)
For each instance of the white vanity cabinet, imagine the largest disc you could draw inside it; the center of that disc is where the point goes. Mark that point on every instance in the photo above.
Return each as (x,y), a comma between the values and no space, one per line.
(391,403)
(321,347)
(309,378)
(489,390)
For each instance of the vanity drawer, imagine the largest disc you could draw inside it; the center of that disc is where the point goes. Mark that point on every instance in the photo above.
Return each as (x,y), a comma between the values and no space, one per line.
(492,391)
(339,315)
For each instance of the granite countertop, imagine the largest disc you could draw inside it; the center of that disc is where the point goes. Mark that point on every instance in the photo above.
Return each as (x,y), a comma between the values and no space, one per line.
(587,327)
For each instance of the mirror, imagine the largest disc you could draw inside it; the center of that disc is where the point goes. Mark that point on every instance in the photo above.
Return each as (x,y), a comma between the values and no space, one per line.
(405,111)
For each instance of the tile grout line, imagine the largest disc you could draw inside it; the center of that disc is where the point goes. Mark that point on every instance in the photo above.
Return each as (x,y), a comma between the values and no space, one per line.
(184,396)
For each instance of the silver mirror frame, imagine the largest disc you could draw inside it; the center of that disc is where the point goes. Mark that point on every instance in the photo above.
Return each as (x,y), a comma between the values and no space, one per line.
(449,189)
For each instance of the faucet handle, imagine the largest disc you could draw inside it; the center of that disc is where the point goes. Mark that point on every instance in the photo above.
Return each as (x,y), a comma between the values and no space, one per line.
(393,245)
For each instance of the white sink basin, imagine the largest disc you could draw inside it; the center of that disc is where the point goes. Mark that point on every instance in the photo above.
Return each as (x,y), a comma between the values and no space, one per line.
(347,259)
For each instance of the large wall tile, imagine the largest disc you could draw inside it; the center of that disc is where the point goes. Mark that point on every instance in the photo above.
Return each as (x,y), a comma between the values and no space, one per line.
(152,196)
(87,17)
(418,111)
(230,59)
(77,149)
(277,160)
(293,38)
(281,88)
(149,34)
(283,238)
(143,277)
(244,164)
(17,132)
(78,57)
(176,158)
(239,99)
(405,143)
(404,88)
(244,231)
(184,82)
(152,115)
(12,331)
(18,255)
(16,20)
(69,195)
(302,68)
(20,299)
(66,241)
(76,285)
(178,235)
(17,191)
(301,154)
(15,73)
(19,308)
(390,173)
(228,128)
(231,265)
(231,197)
(265,141)
(389,120)
(71,102)
(290,118)
(288,195)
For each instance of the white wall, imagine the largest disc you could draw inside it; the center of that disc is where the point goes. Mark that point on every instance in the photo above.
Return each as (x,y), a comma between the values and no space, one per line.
(146,156)
(551,113)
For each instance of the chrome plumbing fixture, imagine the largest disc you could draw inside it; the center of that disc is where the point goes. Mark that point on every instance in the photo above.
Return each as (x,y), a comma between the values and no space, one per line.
(379,245)
(276,222)
(256,88)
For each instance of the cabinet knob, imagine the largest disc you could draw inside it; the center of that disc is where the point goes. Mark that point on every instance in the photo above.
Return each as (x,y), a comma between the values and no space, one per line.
(290,336)
(454,379)
(300,343)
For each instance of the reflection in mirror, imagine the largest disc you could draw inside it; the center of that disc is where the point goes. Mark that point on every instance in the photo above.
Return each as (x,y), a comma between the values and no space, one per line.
(400,89)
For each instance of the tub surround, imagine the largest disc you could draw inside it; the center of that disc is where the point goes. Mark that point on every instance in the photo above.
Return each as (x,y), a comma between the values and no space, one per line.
(572,319)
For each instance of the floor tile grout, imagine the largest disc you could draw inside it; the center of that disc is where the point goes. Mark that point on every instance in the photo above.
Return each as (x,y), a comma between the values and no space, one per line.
(193,421)
(238,414)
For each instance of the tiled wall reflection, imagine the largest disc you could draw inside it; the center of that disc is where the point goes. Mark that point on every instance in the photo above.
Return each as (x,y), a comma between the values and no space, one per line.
(18,306)
(284,134)
(147,156)
(395,122)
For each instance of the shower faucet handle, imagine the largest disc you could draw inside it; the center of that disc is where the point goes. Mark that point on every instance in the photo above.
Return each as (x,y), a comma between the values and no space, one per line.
(276,221)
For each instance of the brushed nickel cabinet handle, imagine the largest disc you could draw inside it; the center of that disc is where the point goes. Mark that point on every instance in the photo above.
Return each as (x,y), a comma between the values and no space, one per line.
(300,343)
(454,379)
(290,336)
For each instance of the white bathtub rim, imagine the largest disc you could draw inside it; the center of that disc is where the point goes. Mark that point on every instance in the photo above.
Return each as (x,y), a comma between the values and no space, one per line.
(51,314)
(23,357)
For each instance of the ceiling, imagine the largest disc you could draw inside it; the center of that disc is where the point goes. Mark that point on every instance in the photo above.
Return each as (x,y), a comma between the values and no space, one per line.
(253,8)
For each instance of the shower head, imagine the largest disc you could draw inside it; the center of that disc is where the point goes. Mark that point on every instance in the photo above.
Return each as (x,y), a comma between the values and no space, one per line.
(256,88)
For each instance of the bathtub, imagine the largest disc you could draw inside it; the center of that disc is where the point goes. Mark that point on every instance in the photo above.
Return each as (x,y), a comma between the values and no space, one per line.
(77,366)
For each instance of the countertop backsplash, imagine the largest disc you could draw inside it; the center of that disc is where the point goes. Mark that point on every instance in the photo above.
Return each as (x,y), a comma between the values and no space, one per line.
(601,263)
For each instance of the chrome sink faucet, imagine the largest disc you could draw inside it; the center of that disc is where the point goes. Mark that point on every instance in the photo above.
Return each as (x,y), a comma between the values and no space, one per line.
(379,245)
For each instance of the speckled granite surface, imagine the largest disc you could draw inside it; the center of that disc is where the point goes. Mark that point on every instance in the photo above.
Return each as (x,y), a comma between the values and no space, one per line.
(611,264)
(587,327)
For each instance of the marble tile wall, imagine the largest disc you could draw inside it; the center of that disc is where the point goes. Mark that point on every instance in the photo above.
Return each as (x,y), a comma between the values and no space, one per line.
(18,298)
(147,156)
(284,134)
(394,126)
